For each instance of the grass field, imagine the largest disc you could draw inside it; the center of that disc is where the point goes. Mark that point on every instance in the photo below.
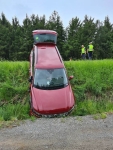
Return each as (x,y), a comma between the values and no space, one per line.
(14,90)
(92,86)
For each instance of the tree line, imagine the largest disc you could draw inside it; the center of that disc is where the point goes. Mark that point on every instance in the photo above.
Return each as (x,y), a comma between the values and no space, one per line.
(16,40)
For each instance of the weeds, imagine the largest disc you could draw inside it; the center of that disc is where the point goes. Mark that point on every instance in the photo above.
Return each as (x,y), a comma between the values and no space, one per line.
(92,86)
(92,79)
(13,90)
(100,116)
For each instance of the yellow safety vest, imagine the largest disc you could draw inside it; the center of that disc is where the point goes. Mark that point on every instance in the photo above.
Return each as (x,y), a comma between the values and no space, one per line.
(83,50)
(90,48)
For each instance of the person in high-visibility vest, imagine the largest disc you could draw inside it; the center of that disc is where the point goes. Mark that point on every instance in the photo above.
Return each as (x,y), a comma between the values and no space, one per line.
(83,52)
(90,50)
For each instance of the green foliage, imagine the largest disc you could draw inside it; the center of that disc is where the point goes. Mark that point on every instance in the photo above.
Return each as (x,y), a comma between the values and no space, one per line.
(92,79)
(13,80)
(92,86)
(11,111)
(100,116)
(89,107)
(13,90)
(16,40)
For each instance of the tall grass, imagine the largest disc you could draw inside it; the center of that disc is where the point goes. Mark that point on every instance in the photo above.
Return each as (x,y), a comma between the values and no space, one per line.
(13,79)
(14,90)
(92,79)
(92,86)
(88,107)
(17,111)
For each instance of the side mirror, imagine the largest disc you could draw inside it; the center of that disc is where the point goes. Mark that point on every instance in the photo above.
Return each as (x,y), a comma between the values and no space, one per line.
(71,77)
(30,79)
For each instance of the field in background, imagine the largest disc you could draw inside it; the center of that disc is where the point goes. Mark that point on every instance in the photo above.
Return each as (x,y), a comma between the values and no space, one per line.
(92,86)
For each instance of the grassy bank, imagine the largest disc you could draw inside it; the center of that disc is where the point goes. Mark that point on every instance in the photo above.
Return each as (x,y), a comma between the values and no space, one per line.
(92,86)
(13,90)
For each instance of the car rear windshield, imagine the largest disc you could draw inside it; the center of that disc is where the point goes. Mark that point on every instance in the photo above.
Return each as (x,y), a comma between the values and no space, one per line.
(45,38)
(50,79)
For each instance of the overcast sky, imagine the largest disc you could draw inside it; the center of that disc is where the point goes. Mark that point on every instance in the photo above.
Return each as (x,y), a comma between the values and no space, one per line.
(67,9)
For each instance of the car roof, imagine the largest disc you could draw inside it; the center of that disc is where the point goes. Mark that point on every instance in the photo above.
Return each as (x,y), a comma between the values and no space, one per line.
(48,57)
(44,31)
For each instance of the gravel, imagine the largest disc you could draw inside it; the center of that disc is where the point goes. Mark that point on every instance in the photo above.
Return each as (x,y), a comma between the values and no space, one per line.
(71,133)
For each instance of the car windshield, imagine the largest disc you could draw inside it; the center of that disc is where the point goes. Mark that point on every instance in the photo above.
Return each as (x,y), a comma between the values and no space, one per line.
(45,38)
(50,78)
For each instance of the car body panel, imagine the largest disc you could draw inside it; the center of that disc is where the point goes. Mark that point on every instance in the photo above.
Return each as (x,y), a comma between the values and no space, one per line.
(52,101)
(48,101)
(44,31)
(49,57)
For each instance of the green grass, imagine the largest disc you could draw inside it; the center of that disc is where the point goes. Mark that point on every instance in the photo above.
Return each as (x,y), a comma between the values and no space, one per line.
(13,80)
(17,111)
(92,79)
(92,86)
(100,116)
(14,90)
(91,107)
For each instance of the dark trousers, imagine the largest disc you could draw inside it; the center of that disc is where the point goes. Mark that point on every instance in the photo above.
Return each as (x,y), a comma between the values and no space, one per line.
(90,54)
(83,56)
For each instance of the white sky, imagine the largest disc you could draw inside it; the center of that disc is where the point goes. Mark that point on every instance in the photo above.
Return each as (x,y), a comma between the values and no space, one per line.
(67,9)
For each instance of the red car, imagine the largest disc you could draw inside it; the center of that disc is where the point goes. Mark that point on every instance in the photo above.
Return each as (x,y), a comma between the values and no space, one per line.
(50,91)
